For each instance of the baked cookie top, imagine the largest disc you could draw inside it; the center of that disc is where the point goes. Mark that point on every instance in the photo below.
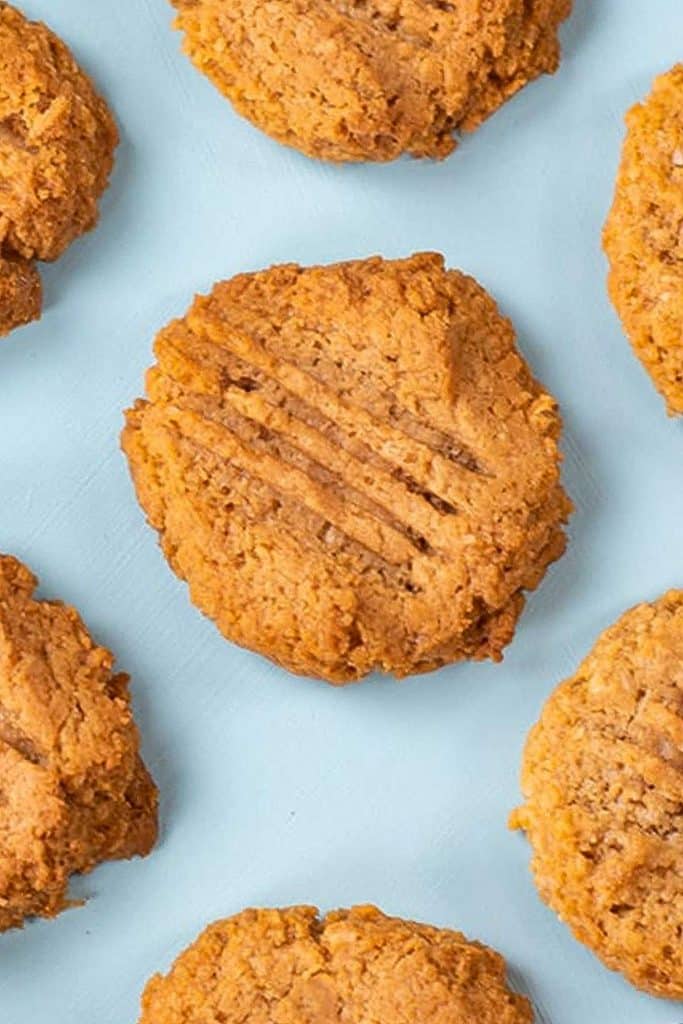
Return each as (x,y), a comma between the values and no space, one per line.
(643,236)
(351,466)
(57,140)
(603,784)
(73,789)
(293,967)
(370,79)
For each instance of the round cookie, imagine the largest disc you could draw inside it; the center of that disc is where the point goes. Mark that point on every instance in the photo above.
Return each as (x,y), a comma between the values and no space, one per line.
(603,783)
(370,79)
(643,236)
(57,140)
(73,788)
(292,967)
(351,466)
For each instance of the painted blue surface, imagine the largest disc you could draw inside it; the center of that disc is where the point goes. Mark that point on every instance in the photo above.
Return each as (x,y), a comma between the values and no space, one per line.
(276,790)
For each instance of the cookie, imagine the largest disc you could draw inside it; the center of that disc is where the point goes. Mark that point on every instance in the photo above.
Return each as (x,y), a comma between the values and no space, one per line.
(73,788)
(370,79)
(351,466)
(294,967)
(603,784)
(21,293)
(57,140)
(643,236)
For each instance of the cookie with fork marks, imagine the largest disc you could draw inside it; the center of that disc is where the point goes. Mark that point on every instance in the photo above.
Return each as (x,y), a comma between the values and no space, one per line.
(351,466)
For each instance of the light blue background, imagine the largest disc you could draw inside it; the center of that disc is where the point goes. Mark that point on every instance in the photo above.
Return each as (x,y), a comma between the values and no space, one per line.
(277,790)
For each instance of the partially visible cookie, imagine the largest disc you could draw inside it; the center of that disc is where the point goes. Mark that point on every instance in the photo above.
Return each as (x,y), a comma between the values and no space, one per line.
(57,140)
(351,466)
(603,784)
(73,788)
(21,293)
(294,967)
(643,236)
(370,79)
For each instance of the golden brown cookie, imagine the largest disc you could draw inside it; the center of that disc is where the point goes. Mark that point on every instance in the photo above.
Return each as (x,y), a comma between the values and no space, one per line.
(21,293)
(73,788)
(351,466)
(603,784)
(370,79)
(293,967)
(57,140)
(643,236)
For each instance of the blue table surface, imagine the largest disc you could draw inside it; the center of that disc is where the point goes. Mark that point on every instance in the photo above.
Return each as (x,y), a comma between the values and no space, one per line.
(277,790)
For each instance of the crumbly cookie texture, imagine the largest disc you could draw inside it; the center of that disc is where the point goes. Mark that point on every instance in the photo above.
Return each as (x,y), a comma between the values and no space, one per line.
(370,79)
(603,784)
(73,788)
(57,140)
(351,466)
(21,293)
(643,236)
(293,967)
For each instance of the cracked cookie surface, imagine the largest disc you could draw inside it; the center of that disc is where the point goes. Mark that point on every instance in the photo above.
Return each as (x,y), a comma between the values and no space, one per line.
(602,779)
(643,236)
(57,140)
(370,79)
(293,967)
(73,788)
(351,466)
